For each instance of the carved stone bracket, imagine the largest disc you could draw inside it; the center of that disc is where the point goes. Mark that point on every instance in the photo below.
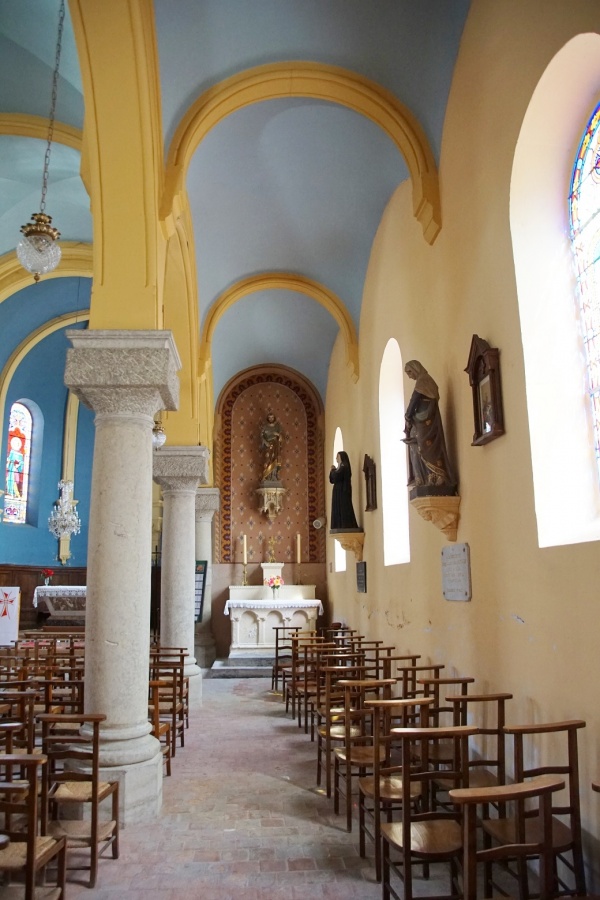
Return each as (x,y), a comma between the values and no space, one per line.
(271,499)
(351,540)
(441,511)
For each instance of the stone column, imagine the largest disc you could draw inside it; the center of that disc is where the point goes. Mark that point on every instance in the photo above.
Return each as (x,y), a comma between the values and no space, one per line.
(207,502)
(178,470)
(125,377)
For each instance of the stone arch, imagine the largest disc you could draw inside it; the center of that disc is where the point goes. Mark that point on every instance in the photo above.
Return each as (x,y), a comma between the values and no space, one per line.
(281,281)
(309,79)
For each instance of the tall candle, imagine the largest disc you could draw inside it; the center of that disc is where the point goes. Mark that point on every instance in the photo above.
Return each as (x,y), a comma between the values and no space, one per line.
(244,550)
(298,548)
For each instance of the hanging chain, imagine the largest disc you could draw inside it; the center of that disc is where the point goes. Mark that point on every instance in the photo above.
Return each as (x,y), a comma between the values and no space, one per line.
(61,22)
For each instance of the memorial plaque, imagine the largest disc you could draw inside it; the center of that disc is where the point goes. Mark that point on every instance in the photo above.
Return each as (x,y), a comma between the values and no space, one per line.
(361,577)
(456,572)
(201,566)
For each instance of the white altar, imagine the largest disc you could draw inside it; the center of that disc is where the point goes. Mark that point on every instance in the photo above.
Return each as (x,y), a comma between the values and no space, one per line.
(254,611)
(65,603)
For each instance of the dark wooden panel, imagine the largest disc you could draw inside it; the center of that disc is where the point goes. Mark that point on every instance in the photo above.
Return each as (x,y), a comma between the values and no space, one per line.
(27,578)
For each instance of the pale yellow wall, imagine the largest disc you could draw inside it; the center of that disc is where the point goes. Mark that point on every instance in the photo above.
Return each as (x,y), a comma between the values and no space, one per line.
(532,625)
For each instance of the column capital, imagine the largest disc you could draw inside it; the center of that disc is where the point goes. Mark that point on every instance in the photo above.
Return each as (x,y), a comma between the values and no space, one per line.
(123,372)
(207,502)
(180,468)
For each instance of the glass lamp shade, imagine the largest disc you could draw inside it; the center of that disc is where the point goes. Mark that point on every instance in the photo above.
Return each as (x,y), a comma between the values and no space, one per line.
(158,436)
(38,250)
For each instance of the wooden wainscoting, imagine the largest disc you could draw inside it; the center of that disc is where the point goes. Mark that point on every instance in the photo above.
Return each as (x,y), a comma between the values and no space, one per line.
(28,578)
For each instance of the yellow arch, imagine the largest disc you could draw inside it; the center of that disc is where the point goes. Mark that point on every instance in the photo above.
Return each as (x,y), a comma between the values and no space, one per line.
(20,352)
(76,261)
(21,125)
(287,281)
(308,79)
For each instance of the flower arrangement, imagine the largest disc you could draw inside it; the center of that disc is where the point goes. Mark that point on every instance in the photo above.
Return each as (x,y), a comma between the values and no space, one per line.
(47,575)
(275,582)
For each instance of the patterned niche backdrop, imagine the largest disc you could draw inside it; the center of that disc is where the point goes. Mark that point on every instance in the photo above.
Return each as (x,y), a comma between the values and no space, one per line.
(240,466)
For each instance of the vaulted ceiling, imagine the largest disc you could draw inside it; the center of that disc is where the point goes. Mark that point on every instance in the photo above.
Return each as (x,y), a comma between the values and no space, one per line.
(293,186)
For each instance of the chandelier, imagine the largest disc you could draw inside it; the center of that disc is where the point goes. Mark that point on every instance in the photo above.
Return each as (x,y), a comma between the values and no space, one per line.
(64,520)
(38,251)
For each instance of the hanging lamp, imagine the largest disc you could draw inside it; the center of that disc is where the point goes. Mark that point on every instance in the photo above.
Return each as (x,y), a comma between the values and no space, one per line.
(38,250)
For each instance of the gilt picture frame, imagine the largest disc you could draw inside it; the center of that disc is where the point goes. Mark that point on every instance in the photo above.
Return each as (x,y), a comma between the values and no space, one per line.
(483,369)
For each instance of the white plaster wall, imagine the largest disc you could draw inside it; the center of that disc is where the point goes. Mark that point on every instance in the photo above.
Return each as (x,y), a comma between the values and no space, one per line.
(531,626)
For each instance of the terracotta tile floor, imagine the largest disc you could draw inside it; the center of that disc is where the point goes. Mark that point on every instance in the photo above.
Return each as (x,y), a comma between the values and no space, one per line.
(241,818)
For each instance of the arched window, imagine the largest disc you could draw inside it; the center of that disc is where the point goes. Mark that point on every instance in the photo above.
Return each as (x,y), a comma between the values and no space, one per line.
(394,495)
(18,463)
(564,469)
(584,212)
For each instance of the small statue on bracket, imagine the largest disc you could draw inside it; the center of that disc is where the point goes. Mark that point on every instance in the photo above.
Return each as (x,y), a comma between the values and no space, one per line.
(429,469)
(342,511)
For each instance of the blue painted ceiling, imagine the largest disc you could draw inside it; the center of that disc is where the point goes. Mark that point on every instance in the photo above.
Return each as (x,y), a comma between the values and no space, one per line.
(284,185)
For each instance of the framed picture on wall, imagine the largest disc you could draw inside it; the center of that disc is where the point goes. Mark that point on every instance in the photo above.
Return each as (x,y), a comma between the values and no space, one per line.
(483,370)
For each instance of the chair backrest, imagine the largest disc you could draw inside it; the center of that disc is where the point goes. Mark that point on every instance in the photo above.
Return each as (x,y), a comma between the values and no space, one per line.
(432,686)
(561,758)
(19,800)
(489,713)
(408,678)
(21,709)
(415,744)
(71,744)
(501,796)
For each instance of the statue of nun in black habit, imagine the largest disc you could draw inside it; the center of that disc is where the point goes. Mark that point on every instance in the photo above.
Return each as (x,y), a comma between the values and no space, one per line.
(342,511)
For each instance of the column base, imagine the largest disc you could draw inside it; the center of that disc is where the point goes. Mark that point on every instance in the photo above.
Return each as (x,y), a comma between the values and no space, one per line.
(195,688)
(140,789)
(206,650)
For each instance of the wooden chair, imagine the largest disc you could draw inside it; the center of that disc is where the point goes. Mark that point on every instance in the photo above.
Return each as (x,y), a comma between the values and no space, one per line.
(177,655)
(20,705)
(28,851)
(488,766)
(487,760)
(283,654)
(425,836)
(356,756)
(330,727)
(296,672)
(171,697)
(72,776)
(381,794)
(469,799)
(556,744)
(312,659)
(161,729)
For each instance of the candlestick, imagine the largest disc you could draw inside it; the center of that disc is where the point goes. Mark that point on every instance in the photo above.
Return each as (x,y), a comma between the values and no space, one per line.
(244,550)
(298,549)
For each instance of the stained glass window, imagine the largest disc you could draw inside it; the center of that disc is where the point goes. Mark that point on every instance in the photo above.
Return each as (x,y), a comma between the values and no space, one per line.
(18,456)
(584,208)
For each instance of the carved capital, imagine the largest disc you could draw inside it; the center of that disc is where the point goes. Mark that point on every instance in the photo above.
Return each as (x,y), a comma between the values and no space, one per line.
(441,511)
(207,502)
(123,372)
(180,468)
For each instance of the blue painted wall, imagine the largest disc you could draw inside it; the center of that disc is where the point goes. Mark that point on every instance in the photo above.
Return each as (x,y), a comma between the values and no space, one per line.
(39,379)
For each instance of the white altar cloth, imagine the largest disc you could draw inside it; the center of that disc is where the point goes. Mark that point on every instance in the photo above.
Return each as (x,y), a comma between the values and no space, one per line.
(63,601)
(274,604)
